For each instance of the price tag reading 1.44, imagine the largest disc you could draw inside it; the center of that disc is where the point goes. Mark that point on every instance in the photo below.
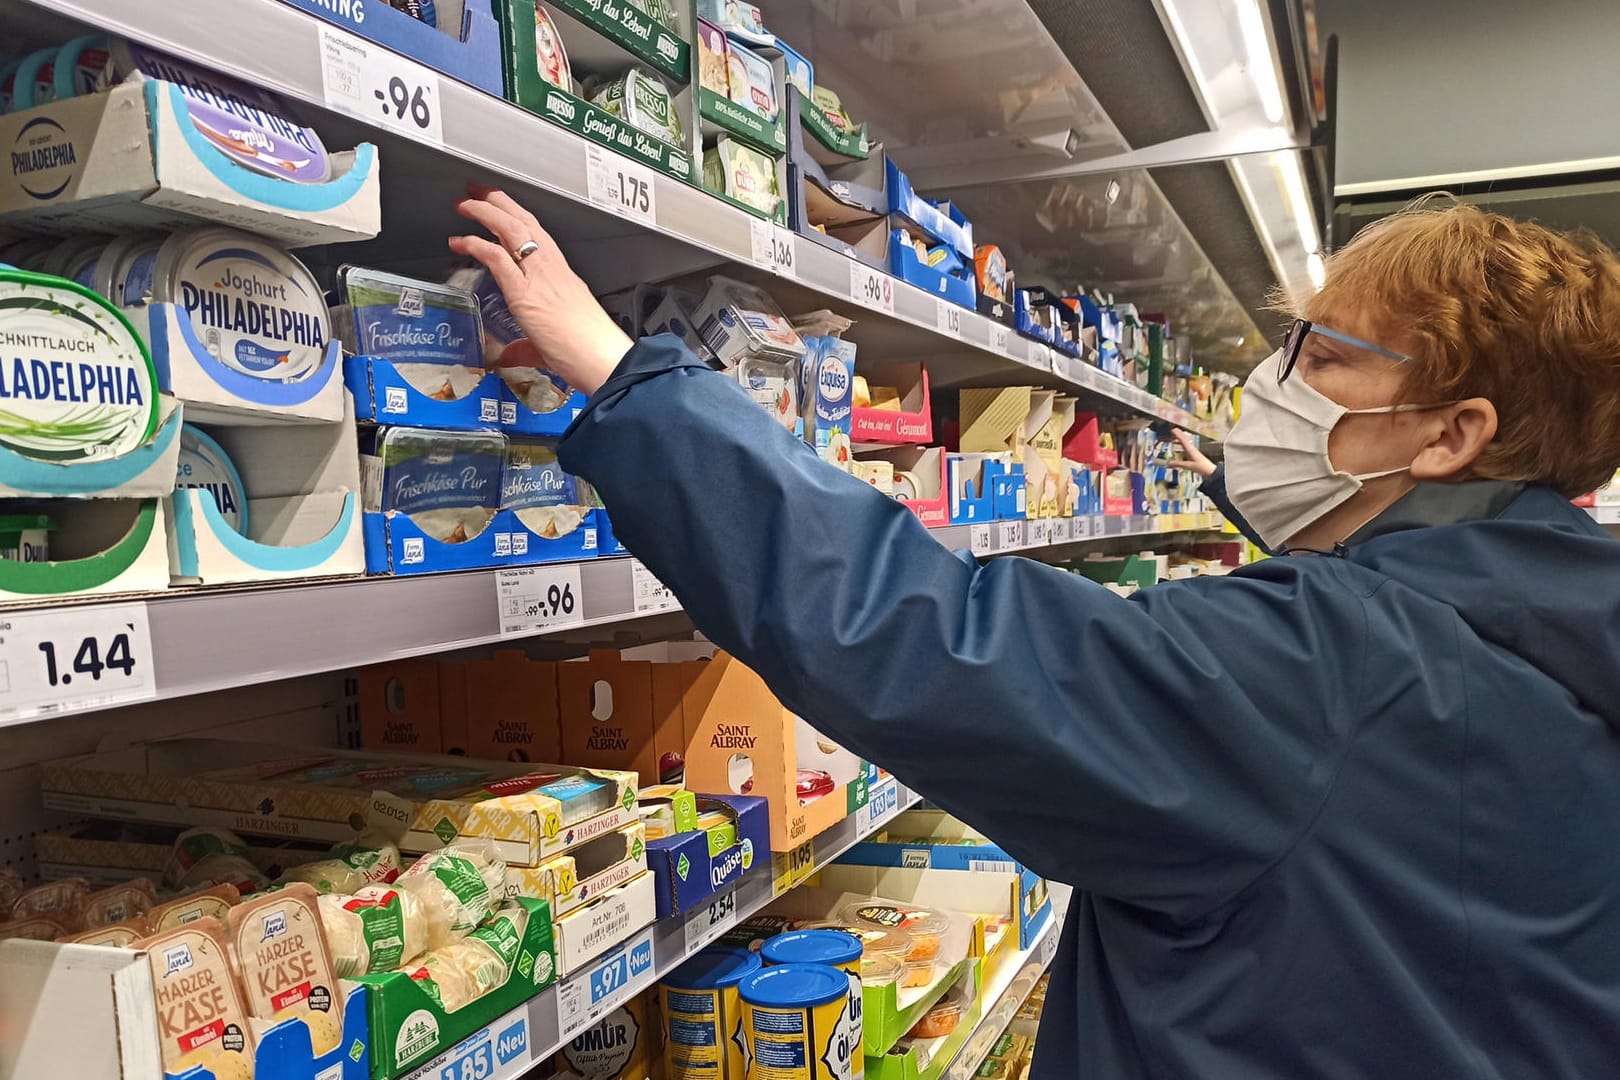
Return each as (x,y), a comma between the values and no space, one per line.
(625,187)
(534,599)
(872,288)
(705,925)
(364,79)
(74,658)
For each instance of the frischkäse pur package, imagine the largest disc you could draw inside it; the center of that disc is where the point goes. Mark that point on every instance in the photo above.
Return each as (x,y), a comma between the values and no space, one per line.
(447,482)
(432,334)
(534,486)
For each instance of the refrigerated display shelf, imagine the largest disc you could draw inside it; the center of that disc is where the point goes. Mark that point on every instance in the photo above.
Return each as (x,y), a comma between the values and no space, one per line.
(205,640)
(524,1038)
(1005,996)
(280,47)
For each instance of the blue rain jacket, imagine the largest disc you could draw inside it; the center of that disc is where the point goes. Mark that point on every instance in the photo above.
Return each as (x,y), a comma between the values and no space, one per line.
(1346,818)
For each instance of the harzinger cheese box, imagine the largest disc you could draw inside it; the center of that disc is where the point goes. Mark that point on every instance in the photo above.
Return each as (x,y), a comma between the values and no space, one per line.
(531,812)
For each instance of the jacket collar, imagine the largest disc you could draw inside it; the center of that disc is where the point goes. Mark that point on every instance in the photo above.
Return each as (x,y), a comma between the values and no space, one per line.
(1440,504)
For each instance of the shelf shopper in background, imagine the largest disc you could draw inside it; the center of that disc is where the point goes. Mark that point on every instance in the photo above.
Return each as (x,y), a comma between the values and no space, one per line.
(1345,814)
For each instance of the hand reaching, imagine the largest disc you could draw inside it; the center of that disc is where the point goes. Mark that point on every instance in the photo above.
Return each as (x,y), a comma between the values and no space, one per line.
(573,335)
(1196,461)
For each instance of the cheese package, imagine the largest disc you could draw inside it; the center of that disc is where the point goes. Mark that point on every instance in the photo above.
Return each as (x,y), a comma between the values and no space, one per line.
(62,901)
(739,19)
(800,72)
(119,903)
(214,902)
(506,346)
(713,59)
(124,269)
(351,867)
(32,928)
(201,1020)
(457,886)
(447,482)
(534,486)
(752,81)
(377,929)
(738,320)
(642,101)
(204,465)
(549,52)
(463,971)
(990,266)
(207,856)
(828,389)
(75,259)
(286,970)
(832,108)
(254,307)
(742,173)
(430,333)
(251,126)
(119,935)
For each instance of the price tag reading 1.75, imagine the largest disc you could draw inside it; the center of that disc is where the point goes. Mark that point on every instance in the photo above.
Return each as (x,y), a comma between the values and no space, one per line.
(871,288)
(74,658)
(364,79)
(625,187)
(534,599)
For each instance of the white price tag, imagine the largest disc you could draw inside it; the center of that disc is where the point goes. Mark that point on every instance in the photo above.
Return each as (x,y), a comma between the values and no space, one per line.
(948,317)
(979,538)
(882,803)
(650,593)
(774,248)
(1084,527)
(1040,532)
(1012,535)
(617,184)
(998,338)
(532,599)
(872,288)
(364,79)
(705,925)
(74,658)
(1049,946)
(592,992)
(1062,530)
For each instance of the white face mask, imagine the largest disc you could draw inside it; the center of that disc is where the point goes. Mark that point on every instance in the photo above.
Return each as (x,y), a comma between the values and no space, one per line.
(1278,474)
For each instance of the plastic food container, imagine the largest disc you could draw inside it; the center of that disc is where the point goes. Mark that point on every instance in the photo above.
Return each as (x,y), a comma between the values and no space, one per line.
(917,973)
(925,925)
(879,969)
(875,940)
(939,1021)
(25,537)
(204,464)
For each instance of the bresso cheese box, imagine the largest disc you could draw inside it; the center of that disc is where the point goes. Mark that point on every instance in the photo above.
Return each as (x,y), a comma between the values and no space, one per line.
(254,307)
(76,384)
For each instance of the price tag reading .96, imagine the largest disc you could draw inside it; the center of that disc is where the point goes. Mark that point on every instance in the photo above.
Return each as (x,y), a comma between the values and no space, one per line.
(364,79)
(625,187)
(871,288)
(74,658)
(532,599)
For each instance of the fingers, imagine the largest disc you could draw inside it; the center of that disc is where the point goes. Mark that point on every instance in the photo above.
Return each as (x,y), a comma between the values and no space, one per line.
(506,228)
(496,259)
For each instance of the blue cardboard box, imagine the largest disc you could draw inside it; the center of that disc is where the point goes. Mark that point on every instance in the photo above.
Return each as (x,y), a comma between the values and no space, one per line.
(685,872)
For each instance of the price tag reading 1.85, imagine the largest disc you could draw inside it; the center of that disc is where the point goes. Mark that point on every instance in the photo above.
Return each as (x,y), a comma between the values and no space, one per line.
(534,599)
(364,79)
(871,288)
(74,658)
(625,187)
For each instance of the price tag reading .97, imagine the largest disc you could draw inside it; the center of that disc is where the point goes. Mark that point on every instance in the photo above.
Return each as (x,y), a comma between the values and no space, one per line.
(872,288)
(533,599)
(74,658)
(364,79)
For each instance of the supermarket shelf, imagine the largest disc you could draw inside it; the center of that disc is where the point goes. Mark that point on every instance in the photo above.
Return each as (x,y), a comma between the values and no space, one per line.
(528,1035)
(205,640)
(1005,996)
(278,46)
(1605,515)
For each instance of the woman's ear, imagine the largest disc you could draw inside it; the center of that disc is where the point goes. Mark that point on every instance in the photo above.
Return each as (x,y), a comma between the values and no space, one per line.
(1459,433)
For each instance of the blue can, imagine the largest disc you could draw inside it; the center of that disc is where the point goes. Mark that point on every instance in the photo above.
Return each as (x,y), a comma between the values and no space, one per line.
(837,949)
(702,1015)
(796,1018)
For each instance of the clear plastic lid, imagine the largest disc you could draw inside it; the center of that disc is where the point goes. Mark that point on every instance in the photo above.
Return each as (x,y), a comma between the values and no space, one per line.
(880,969)
(875,940)
(893,915)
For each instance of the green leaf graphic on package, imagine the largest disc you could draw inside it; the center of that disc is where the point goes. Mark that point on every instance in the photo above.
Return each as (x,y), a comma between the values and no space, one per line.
(76,384)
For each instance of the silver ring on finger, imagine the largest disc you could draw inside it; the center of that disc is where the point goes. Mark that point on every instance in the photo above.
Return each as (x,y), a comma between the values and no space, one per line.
(525,249)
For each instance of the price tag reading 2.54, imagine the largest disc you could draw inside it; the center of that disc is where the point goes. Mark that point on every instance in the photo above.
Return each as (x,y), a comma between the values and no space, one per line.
(364,79)
(535,599)
(74,658)
(705,925)
(625,187)
(871,288)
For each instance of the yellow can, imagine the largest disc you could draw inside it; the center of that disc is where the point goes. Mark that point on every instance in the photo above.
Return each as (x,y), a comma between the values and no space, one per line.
(834,948)
(796,1019)
(702,1016)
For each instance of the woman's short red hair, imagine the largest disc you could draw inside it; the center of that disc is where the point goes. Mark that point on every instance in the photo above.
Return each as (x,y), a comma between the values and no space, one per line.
(1508,310)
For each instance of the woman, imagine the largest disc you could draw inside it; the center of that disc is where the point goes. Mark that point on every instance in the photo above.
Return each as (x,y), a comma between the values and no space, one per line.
(1347,815)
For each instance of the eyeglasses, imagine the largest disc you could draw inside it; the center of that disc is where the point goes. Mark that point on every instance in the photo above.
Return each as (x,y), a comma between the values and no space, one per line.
(1303,328)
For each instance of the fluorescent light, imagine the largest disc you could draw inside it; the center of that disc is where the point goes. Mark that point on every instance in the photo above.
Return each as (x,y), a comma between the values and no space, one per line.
(1262,69)
(1293,182)
(1315,267)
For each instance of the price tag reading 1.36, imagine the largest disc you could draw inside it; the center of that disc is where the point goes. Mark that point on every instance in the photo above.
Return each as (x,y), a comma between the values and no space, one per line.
(534,599)
(705,925)
(364,79)
(74,658)
(871,288)
(625,187)
(773,248)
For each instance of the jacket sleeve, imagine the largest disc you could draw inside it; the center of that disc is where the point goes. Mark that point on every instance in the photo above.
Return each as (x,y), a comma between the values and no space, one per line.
(1164,752)
(1214,487)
